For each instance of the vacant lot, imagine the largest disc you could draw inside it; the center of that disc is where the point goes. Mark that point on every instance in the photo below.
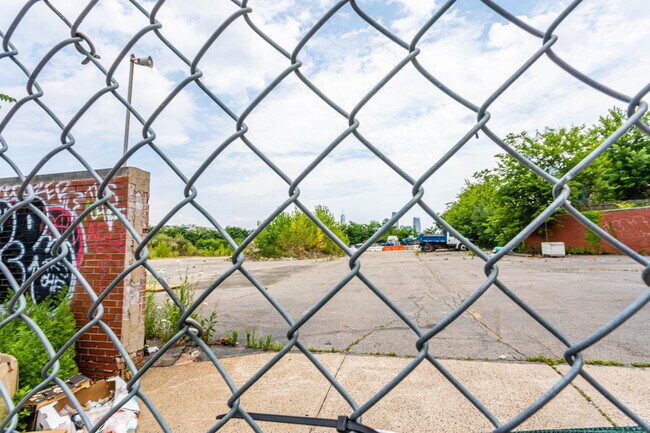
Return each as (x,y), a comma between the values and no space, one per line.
(576,294)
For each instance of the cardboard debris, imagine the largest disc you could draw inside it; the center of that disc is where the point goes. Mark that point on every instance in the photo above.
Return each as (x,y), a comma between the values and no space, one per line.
(9,377)
(100,391)
(55,393)
(96,400)
(48,418)
(9,373)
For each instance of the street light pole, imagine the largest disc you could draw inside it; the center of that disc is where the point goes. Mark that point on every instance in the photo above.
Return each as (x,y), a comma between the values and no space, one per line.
(133,61)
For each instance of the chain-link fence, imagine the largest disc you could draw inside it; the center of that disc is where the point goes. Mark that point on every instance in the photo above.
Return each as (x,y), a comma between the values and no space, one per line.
(189,328)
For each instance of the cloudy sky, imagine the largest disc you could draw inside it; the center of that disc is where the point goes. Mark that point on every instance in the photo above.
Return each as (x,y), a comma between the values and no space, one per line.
(471,49)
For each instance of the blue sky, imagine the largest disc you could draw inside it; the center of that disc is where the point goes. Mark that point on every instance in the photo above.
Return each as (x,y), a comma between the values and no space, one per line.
(471,49)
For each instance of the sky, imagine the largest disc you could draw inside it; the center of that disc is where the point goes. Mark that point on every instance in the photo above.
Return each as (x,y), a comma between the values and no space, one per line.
(471,49)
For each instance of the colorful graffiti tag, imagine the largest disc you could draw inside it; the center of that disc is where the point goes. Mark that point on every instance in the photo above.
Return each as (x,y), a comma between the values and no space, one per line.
(27,242)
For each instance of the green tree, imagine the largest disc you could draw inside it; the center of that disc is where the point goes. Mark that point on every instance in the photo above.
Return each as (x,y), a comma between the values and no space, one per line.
(500,202)
(627,162)
(521,194)
(359,233)
(325,244)
(473,208)
(271,242)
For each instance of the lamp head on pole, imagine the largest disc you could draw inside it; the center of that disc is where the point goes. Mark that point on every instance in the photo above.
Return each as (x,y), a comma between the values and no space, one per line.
(142,62)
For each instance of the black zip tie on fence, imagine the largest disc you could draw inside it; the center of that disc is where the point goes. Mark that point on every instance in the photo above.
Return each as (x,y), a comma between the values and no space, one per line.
(342,425)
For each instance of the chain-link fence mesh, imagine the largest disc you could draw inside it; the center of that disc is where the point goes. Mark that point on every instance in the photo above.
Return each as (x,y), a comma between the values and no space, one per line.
(187,327)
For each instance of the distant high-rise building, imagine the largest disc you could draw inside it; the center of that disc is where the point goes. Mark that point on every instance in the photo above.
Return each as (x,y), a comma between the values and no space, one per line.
(417,225)
(343,220)
(396,222)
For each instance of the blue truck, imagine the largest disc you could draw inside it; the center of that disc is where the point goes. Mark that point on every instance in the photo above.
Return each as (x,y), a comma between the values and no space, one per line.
(432,242)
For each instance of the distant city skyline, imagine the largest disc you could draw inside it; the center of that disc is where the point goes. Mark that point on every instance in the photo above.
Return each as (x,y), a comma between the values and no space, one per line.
(417,225)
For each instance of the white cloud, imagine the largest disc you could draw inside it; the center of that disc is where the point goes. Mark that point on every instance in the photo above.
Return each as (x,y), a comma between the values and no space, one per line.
(410,120)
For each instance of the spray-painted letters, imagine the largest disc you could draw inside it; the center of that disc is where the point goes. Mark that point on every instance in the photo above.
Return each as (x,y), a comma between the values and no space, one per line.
(26,240)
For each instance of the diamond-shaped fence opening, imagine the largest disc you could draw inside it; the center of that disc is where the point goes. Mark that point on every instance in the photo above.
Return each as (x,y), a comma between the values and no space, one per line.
(56,266)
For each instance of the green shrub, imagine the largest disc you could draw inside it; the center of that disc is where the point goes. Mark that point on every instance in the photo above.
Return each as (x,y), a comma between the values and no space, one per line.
(54,317)
(17,339)
(191,240)
(161,249)
(214,247)
(295,235)
(163,245)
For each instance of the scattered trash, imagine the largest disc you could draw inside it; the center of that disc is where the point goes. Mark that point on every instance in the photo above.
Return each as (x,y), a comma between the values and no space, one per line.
(49,419)
(96,400)
(152,349)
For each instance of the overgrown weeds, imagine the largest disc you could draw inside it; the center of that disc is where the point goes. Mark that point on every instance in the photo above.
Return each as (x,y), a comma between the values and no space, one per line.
(232,339)
(161,320)
(545,360)
(263,343)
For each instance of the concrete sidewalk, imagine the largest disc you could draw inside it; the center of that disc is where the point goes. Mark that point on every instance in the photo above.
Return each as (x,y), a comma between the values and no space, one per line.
(190,395)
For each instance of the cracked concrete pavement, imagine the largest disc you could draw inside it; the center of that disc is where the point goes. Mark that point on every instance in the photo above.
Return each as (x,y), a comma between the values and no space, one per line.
(576,294)
(190,395)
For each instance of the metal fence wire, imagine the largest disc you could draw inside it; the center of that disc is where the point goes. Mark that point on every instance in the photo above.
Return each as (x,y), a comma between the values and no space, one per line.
(351,421)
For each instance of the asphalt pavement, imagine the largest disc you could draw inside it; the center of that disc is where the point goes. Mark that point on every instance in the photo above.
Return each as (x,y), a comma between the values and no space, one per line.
(576,294)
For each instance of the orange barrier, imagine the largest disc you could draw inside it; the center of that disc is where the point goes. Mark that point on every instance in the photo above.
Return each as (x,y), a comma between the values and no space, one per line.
(393,248)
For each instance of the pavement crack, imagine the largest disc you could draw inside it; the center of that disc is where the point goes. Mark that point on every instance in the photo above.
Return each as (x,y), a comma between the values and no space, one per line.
(368,334)
(329,389)
(483,324)
(419,305)
(458,297)
(589,400)
(538,341)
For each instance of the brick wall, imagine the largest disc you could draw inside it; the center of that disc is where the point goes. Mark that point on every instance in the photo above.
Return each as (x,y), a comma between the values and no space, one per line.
(630,226)
(100,247)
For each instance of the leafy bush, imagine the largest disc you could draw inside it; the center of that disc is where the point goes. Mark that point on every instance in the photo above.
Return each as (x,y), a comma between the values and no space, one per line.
(191,240)
(295,235)
(161,249)
(214,247)
(54,317)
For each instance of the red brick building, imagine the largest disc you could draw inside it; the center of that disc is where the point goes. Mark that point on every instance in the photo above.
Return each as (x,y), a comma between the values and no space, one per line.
(100,247)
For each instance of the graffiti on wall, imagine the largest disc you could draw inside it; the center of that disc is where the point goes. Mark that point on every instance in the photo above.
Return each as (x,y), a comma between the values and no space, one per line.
(638,224)
(27,242)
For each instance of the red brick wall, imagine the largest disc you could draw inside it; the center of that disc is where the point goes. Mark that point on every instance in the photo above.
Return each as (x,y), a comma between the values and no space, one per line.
(630,226)
(101,248)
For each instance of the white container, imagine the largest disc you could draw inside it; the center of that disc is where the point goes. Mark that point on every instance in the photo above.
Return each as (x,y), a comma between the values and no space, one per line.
(553,249)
